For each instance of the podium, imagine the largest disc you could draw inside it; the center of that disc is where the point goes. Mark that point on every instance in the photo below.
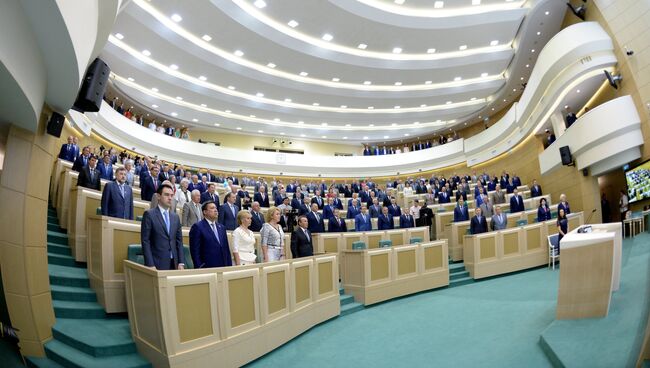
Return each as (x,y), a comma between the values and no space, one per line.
(590,271)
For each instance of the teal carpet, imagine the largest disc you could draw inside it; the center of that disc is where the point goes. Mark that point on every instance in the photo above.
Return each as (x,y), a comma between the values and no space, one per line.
(493,323)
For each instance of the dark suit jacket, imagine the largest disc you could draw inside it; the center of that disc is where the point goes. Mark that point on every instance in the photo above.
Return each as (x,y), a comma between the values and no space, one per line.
(328,211)
(79,163)
(205,196)
(301,246)
(157,244)
(517,204)
(318,200)
(361,225)
(406,221)
(226,217)
(147,187)
(334,226)
(263,202)
(68,154)
(353,212)
(476,226)
(206,250)
(257,220)
(114,205)
(106,172)
(444,198)
(85,180)
(543,214)
(385,222)
(536,191)
(461,215)
(296,203)
(394,211)
(315,226)
(566,208)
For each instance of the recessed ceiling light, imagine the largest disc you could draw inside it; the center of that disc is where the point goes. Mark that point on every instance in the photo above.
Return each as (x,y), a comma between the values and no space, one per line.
(493,109)
(204,105)
(316,104)
(394,124)
(293,24)
(259,94)
(539,33)
(238,128)
(335,79)
(427,82)
(533,50)
(239,53)
(423,105)
(514,90)
(418,123)
(457,79)
(367,83)
(323,124)
(287,100)
(260,131)
(397,107)
(119,36)
(566,107)
(179,98)
(276,119)
(527,65)
(304,74)
(344,106)
(174,114)
(173,67)
(504,100)
(370,107)
(522,78)
(397,50)
(578,91)
(348,125)
(365,138)
(476,2)
(473,99)
(398,83)
(260,3)
(399,2)
(385,137)
(217,124)
(547,13)
(327,37)
(154,106)
(462,47)
(362,46)
(483,75)
(231,88)
(371,125)
(301,122)
(302,135)
(203,78)
(177,18)
(282,133)
(146,53)
(131,79)
(406,134)
(271,65)
(494,43)
(252,116)
(448,103)
(227,111)
(195,120)
(345,137)
(324,136)
(206,37)
(431,51)
(439,4)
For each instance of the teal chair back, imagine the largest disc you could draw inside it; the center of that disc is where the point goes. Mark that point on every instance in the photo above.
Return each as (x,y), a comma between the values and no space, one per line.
(522,222)
(99,211)
(134,254)
(415,239)
(358,245)
(554,215)
(138,218)
(385,243)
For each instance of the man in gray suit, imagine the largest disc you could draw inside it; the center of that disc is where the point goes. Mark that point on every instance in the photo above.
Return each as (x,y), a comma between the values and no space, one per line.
(499,220)
(486,207)
(161,235)
(192,210)
(498,197)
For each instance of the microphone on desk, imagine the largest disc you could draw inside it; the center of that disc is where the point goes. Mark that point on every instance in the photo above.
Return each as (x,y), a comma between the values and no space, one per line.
(589,218)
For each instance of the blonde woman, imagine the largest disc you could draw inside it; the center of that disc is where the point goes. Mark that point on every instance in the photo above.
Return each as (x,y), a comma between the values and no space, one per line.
(243,240)
(272,236)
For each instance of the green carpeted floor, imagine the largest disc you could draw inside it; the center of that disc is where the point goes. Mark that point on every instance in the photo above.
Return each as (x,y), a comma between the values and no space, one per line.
(494,323)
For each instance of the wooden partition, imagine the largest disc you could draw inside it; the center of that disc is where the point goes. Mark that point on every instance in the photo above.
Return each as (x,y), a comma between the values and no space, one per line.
(227,316)
(375,275)
(512,249)
(60,166)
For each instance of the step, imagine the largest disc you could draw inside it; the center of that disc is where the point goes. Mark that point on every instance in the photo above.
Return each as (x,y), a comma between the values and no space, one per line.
(52,219)
(461,281)
(77,310)
(60,259)
(458,275)
(73,293)
(341,291)
(68,276)
(96,337)
(70,357)
(55,228)
(58,249)
(351,308)
(57,237)
(456,267)
(346,299)
(36,362)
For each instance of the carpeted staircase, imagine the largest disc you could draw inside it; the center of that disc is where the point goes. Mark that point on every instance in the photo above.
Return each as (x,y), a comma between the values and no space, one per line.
(83,335)
(348,305)
(458,275)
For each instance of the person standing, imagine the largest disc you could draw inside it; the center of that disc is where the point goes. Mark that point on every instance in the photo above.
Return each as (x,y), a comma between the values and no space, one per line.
(243,240)
(499,220)
(607,211)
(301,240)
(161,236)
(192,211)
(562,227)
(543,212)
(272,236)
(208,240)
(228,212)
(623,203)
(89,175)
(117,197)
(478,223)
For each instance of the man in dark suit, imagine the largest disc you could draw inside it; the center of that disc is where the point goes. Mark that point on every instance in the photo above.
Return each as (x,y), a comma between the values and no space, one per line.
(385,220)
(117,197)
(228,212)
(208,240)
(336,224)
(328,209)
(317,199)
(535,190)
(161,236)
(315,222)
(375,209)
(301,240)
(106,168)
(353,209)
(297,199)
(164,173)
(366,151)
(550,138)
(149,183)
(443,196)
(460,211)
(362,221)
(478,223)
(406,220)
(516,202)
(81,160)
(261,197)
(257,219)
(210,195)
(68,151)
(89,175)
(516,181)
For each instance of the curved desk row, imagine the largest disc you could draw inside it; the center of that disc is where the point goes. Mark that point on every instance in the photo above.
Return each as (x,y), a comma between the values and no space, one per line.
(504,251)
(227,316)
(376,275)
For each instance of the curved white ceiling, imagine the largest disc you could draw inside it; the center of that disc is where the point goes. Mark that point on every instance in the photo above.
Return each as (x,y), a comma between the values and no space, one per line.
(366,70)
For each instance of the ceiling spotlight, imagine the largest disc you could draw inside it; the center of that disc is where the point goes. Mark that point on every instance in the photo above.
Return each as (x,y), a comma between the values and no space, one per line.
(348,125)
(179,98)
(431,51)
(239,53)
(154,106)
(362,46)
(293,24)
(371,107)
(527,65)
(462,47)
(173,67)
(177,18)
(579,11)
(476,2)
(399,2)
(533,50)
(227,111)
(385,137)
(428,82)
(154,89)
(260,131)
(260,4)
(539,33)
(206,38)
(367,83)
(203,78)
(438,4)
(494,43)
(131,79)
(146,53)
(232,88)
(271,65)
(315,104)
(327,37)
(174,114)
(323,124)
(448,103)
(483,75)
(195,120)
(304,74)
(344,106)
(398,107)
(345,137)
(302,135)
(398,83)
(259,94)
(335,79)
(457,79)
(119,36)
(204,105)
(397,50)
(287,100)
(547,12)
(238,128)
(365,138)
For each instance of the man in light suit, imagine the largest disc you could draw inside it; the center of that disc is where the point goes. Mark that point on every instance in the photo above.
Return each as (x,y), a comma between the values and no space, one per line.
(478,223)
(385,220)
(208,240)
(498,197)
(535,190)
(210,195)
(301,240)
(516,202)
(336,224)
(486,207)
(106,168)
(161,236)
(68,151)
(499,220)
(89,175)
(315,222)
(130,176)
(362,221)
(117,197)
(375,209)
(228,212)
(192,212)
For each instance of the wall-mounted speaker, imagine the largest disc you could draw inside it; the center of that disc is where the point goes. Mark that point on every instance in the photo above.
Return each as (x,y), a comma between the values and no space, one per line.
(55,124)
(93,87)
(565,155)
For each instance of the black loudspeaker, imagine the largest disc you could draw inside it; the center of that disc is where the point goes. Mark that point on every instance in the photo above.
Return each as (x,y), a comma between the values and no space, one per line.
(565,154)
(55,124)
(93,87)
(585,172)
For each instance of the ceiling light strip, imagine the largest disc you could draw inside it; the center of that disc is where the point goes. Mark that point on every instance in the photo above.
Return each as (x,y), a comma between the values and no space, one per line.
(442,13)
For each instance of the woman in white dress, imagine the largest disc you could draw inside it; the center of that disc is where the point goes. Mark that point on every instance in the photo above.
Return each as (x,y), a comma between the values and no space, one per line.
(243,240)
(272,236)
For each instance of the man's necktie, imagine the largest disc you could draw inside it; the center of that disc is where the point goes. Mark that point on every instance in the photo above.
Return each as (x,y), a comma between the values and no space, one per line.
(187,199)
(166,218)
(216,233)
(92,175)
(233,210)
(121,190)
